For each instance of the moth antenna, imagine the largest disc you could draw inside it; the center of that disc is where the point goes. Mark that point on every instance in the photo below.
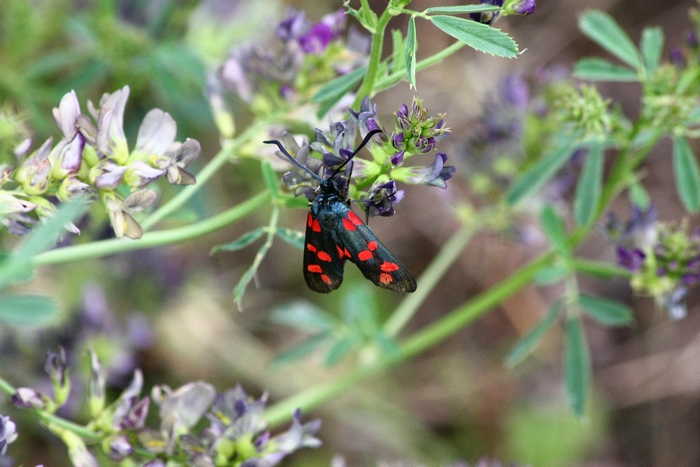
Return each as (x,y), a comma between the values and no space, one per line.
(362,145)
(294,161)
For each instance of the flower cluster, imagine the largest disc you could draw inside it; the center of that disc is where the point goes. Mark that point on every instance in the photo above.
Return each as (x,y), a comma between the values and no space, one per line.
(664,259)
(374,181)
(235,434)
(306,56)
(93,158)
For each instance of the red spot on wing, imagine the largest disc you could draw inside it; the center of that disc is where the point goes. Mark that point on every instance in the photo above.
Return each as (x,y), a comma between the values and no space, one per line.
(347,253)
(341,253)
(365,255)
(309,220)
(311,248)
(315,226)
(354,219)
(385,278)
(323,256)
(389,267)
(373,245)
(326,279)
(347,223)
(314,268)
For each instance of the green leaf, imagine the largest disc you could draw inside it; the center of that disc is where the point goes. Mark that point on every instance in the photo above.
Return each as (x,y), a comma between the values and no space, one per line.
(295,202)
(607,312)
(599,69)
(291,236)
(341,348)
(551,275)
(18,266)
(602,29)
(46,235)
(554,228)
(652,47)
(599,269)
(577,366)
(332,92)
(539,174)
(300,350)
(303,316)
(687,175)
(270,178)
(529,342)
(359,310)
(459,9)
(478,36)
(241,242)
(638,195)
(386,344)
(27,310)
(411,49)
(589,187)
(398,61)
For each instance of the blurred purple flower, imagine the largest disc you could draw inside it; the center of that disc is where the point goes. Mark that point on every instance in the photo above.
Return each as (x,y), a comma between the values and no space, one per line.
(630,259)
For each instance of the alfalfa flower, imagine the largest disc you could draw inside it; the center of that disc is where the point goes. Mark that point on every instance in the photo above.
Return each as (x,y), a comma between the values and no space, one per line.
(120,211)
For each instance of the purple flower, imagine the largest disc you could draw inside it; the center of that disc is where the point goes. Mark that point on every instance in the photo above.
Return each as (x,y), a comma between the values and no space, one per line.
(630,259)
(119,448)
(514,91)
(382,198)
(366,117)
(436,174)
(525,7)
(293,26)
(674,304)
(322,33)
(678,57)
(28,398)
(8,433)
(298,436)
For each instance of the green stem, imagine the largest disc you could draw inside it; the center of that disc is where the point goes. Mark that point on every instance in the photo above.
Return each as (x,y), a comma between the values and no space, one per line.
(375,58)
(153,239)
(208,171)
(54,420)
(431,276)
(7,387)
(390,80)
(420,341)
(51,418)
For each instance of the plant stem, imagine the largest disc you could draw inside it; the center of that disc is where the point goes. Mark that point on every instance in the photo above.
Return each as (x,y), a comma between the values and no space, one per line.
(420,341)
(375,58)
(153,239)
(7,387)
(431,276)
(208,171)
(51,418)
(390,80)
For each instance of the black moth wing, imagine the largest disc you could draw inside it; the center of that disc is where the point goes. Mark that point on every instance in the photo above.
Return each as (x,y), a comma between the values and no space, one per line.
(374,260)
(323,266)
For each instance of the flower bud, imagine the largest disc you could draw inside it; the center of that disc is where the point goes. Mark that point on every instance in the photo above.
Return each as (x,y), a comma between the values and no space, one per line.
(57,369)
(96,385)
(28,398)
(33,175)
(118,448)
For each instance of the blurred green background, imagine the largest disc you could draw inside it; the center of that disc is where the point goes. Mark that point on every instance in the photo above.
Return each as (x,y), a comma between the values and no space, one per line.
(170,312)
